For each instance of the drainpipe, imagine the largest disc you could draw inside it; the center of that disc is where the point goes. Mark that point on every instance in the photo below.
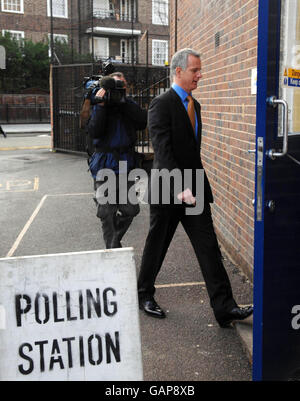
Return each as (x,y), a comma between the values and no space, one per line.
(51,31)
(92,3)
(176,7)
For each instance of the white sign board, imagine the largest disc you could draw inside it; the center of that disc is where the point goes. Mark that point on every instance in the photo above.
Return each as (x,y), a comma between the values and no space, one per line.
(70,317)
(254,81)
(2,58)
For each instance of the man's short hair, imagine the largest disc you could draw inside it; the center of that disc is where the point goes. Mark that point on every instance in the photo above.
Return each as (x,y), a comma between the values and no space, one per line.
(180,59)
(117,74)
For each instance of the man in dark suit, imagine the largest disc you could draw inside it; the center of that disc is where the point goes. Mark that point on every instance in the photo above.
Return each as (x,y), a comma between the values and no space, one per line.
(175,129)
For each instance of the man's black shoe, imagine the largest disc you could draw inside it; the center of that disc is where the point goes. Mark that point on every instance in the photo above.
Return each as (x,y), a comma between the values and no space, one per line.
(151,308)
(237,313)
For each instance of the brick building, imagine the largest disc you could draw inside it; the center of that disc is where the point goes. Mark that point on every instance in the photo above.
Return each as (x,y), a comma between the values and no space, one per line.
(128,31)
(30,19)
(225,33)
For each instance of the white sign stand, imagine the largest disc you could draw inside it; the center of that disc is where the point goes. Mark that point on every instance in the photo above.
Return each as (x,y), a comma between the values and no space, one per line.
(70,317)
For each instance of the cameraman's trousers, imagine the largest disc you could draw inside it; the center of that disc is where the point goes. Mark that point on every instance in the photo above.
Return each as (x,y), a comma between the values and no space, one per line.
(115,217)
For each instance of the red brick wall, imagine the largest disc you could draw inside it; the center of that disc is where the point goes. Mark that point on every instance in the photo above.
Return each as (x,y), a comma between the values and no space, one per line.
(228,110)
(20,100)
(35,22)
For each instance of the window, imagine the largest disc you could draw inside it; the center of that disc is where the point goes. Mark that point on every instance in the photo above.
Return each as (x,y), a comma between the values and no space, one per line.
(13,6)
(57,38)
(18,35)
(128,10)
(103,9)
(59,8)
(126,50)
(160,12)
(159,52)
(101,48)
(60,38)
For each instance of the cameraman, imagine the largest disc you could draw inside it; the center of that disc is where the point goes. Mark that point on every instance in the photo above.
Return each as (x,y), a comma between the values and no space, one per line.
(113,127)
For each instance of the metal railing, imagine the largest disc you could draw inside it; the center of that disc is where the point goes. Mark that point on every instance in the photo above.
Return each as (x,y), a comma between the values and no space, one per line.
(116,60)
(144,98)
(102,13)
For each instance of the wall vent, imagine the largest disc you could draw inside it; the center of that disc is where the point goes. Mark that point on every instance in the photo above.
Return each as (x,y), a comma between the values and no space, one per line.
(217,39)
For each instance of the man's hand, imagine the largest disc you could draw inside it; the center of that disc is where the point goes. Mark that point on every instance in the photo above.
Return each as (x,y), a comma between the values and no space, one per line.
(101,93)
(187,197)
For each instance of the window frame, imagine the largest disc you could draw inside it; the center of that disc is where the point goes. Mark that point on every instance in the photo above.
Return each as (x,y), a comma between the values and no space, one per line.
(106,47)
(166,42)
(126,10)
(62,35)
(58,16)
(127,58)
(156,17)
(13,11)
(13,31)
(55,35)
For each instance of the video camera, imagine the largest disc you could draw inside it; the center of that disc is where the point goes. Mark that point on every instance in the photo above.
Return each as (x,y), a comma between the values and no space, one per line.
(115,92)
(115,89)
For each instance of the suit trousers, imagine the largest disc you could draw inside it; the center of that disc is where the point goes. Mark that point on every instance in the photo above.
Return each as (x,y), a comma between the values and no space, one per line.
(200,230)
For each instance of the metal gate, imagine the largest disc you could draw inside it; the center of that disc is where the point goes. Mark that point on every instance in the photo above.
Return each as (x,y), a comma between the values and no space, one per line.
(67,96)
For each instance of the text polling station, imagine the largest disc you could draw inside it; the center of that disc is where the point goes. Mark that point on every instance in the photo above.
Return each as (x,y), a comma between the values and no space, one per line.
(70,317)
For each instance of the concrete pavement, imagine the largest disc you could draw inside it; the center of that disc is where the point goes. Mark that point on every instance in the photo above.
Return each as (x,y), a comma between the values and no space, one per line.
(26,136)
(24,129)
(186,346)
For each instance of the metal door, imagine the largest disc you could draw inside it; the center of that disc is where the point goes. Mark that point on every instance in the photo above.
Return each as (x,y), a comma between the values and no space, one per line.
(276,330)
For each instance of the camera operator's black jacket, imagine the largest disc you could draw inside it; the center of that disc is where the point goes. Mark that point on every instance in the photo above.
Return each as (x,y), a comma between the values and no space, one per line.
(113,130)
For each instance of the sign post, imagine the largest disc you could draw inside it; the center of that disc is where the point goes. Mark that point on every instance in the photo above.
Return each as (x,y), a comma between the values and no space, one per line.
(70,317)
(2,58)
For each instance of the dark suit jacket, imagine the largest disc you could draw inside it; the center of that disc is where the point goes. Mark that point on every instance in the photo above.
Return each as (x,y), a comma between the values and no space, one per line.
(173,139)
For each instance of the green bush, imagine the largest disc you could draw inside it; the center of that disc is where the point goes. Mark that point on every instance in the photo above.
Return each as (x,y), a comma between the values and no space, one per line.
(65,54)
(11,77)
(28,62)
(35,64)
(27,65)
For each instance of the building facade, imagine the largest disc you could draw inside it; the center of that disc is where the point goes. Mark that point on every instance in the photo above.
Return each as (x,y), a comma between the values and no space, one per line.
(127,31)
(225,34)
(31,19)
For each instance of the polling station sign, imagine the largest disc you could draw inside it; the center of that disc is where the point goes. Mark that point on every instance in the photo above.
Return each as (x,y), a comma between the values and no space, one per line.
(70,317)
